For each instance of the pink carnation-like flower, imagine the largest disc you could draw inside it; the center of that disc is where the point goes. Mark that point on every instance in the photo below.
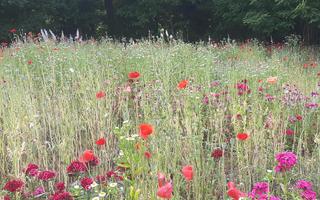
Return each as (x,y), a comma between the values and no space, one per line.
(13,185)
(309,195)
(86,183)
(303,185)
(46,175)
(76,167)
(286,160)
(59,186)
(61,196)
(31,170)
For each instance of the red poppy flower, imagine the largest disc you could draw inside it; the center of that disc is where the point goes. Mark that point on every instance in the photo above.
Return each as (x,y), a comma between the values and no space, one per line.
(233,192)
(305,65)
(147,155)
(165,191)
(145,130)
(183,84)
(101,141)
(87,156)
(242,136)
(29,62)
(13,30)
(217,153)
(133,75)
(100,94)
(187,172)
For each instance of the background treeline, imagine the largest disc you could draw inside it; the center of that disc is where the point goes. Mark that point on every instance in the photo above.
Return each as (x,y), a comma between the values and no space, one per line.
(191,20)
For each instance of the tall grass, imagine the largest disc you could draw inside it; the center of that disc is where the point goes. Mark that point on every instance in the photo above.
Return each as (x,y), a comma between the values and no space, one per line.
(50,115)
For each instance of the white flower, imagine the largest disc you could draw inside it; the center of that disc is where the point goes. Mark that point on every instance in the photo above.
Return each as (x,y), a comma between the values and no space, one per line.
(95,198)
(113,184)
(102,194)
(71,70)
(94,184)
(76,187)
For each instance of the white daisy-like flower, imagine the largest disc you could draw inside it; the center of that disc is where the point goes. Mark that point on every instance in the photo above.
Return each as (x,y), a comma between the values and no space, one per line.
(94,184)
(113,184)
(102,194)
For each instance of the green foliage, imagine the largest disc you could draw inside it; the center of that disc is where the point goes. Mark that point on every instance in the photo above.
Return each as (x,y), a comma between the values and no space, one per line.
(194,19)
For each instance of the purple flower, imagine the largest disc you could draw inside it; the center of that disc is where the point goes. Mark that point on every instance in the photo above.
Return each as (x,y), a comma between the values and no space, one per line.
(309,195)
(304,185)
(38,191)
(286,160)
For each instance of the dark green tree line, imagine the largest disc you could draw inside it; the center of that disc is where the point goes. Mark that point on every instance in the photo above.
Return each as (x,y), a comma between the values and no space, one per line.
(194,19)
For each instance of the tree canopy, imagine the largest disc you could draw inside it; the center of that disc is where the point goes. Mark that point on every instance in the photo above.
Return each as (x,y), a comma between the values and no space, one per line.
(193,19)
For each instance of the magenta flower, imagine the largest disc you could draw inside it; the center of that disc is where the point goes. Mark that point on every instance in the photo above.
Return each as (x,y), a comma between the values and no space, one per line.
(309,195)
(286,160)
(303,185)
(259,190)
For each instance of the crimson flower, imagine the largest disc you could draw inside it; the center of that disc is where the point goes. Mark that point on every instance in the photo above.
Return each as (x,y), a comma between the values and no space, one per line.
(187,172)
(289,132)
(133,75)
(183,84)
(59,186)
(31,170)
(61,196)
(100,94)
(217,153)
(242,136)
(46,175)
(13,185)
(76,167)
(86,183)
(101,141)
(145,130)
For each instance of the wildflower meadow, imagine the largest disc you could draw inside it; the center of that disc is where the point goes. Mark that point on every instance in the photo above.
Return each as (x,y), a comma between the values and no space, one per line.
(159,119)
